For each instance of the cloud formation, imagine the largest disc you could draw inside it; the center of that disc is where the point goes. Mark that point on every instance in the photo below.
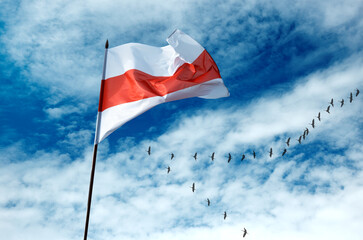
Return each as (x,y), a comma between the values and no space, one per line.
(282,62)
(58,44)
(313,192)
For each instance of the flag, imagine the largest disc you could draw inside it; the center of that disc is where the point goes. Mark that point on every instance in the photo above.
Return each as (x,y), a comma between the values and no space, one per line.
(138,77)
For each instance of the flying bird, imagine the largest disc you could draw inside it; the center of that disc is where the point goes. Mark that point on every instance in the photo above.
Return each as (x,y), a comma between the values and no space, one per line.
(342,103)
(225,215)
(313,123)
(307,131)
(212,157)
(149,151)
(332,102)
(195,156)
(168,169)
(270,152)
(229,157)
(319,117)
(288,142)
(243,157)
(351,97)
(304,135)
(208,201)
(193,187)
(172,156)
(357,93)
(244,232)
(299,140)
(254,154)
(328,109)
(284,152)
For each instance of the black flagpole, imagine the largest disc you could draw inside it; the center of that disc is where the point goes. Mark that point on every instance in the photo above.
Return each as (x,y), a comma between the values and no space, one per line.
(95,149)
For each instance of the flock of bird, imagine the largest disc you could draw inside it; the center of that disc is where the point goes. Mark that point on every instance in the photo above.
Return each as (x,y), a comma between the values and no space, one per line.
(301,137)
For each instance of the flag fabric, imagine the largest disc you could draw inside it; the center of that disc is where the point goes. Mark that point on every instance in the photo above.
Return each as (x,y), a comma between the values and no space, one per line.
(138,77)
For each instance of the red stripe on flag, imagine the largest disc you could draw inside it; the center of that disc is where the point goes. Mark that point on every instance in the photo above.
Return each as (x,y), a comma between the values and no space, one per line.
(135,85)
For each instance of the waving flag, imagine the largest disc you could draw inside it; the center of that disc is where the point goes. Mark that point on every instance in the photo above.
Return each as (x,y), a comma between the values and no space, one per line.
(138,77)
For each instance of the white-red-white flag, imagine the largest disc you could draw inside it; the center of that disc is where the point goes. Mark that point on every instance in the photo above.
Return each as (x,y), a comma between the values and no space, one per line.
(138,77)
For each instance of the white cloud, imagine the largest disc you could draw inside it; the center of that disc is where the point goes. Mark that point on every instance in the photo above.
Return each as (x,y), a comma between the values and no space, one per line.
(59,44)
(59,112)
(312,193)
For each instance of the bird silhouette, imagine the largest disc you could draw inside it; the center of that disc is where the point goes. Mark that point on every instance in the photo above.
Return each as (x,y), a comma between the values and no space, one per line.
(270,152)
(208,201)
(307,131)
(328,109)
(304,135)
(254,154)
(225,215)
(212,157)
(332,102)
(168,169)
(313,123)
(244,232)
(284,152)
(319,117)
(351,97)
(149,151)
(195,156)
(342,103)
(299,140)
(243,157)
(193,187)
(288,142)
(229,157)
(172,156)
(357,93)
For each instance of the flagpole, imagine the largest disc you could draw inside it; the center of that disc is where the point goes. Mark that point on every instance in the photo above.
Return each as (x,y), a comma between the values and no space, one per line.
(95,148)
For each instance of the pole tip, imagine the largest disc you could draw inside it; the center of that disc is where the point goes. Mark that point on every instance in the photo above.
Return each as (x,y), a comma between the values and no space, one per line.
(106,45)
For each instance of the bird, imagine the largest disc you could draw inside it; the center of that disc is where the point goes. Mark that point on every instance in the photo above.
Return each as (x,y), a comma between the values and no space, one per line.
(168,169)
(319,117)
(332,102)
(208,201)
(243,157)
(270,152)
(284,152)
(172,156)
(254,154)
(225,215)
(313,123)
(229,157)
(304,135)
(351,97)
(327,109)
(307,131)
(288,142)
(244,232)
(149,151)
(299,140)
(357,93)
(195,156)
(212,157)
(342,103)
(193,187)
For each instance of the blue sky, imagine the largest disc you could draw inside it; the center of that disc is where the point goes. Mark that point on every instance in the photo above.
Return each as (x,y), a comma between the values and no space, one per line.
(282,63)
